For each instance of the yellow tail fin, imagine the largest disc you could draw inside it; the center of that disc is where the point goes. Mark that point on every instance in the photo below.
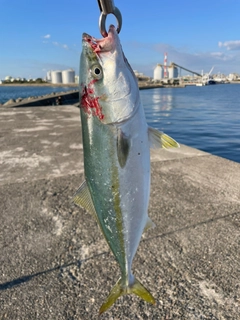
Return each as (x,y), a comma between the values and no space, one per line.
(119,290)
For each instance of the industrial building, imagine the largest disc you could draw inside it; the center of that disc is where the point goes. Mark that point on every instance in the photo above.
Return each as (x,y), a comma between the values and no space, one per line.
(140,76)
(68,76)
(58,76)
(171,72)
(158,72)
(49,77)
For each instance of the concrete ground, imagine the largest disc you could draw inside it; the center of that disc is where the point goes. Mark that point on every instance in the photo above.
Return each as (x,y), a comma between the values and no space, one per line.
(54,262)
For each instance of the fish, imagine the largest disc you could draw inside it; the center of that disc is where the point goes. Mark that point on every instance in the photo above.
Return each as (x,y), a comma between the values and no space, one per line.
(116,147)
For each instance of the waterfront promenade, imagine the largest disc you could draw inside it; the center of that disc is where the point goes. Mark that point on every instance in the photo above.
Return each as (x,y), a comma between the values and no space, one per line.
(54,262)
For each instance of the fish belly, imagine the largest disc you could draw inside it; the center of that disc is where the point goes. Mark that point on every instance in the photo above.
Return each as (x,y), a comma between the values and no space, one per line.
(135,186)
(120,194)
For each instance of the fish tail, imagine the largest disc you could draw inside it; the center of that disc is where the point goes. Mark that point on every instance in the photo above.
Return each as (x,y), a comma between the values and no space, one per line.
(118,290)
(142,292)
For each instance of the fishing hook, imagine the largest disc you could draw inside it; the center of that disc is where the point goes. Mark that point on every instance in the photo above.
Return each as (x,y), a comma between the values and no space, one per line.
(106,7)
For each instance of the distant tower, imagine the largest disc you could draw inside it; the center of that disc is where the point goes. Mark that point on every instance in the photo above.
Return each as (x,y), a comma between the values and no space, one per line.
(165,65)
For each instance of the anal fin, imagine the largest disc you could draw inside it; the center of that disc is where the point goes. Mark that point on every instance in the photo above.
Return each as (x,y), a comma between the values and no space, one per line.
(82,198)
(149,224)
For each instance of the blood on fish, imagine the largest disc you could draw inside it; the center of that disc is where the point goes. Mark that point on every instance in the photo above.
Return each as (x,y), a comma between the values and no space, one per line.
(94,45)
(89,103)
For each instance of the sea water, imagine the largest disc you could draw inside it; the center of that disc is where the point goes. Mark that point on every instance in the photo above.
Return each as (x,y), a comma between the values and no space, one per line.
(14,92)
(206,118)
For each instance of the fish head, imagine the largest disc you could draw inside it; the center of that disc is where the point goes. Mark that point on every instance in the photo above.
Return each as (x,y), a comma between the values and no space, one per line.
(108,86)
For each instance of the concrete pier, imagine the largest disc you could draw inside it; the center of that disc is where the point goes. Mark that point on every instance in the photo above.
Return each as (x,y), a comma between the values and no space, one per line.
(54,262)
(70,97)
(67,98)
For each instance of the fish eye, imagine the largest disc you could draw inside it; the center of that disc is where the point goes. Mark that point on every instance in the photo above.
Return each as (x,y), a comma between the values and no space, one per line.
(96,71)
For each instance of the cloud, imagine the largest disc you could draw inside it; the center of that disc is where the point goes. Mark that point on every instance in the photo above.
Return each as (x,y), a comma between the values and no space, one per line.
(200,60)
(150,54)
(230,45)
(58,44)
(66,47)
(220,56)
(47,36)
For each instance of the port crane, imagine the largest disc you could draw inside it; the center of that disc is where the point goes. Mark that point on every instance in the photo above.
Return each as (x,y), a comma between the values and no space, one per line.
(207,75)
(206,78)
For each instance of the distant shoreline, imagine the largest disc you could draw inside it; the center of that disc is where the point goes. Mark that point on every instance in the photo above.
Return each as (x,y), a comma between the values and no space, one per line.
(39,85)
(141,84)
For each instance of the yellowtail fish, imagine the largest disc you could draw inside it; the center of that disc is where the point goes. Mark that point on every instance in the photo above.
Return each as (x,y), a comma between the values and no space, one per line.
(116,144)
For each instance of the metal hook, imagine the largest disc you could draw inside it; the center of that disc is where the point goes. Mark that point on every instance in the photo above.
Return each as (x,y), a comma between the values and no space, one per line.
(106,7)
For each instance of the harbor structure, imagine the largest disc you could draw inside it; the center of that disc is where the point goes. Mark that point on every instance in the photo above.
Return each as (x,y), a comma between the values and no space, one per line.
(165,66)
(76,79)
(56,76)
(233,76)
(141,76)
(49,77)
(68,76)
(61,76)
(8,78)
(158,72)
(172,71)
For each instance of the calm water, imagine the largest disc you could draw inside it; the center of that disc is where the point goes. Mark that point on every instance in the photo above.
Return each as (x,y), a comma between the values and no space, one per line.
(206,118)
(7,93)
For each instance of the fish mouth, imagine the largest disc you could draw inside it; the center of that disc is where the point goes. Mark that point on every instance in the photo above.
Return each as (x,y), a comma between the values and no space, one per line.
(101,45)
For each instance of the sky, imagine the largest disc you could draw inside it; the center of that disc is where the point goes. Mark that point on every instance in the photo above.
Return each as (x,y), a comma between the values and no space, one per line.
(38,36)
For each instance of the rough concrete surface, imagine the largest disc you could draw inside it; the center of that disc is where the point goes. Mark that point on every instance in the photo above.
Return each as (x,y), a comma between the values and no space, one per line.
(69,97)
(54,262)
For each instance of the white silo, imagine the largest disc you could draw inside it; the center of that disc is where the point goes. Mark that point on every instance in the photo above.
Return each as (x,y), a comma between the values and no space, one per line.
(175,72)
(172,72)
(49,78)
(56,76)
(158,72)
(68,76)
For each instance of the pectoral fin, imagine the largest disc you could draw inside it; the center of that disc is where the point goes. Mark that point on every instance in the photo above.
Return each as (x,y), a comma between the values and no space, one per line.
(123,146)
(159,139)
(82,199)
